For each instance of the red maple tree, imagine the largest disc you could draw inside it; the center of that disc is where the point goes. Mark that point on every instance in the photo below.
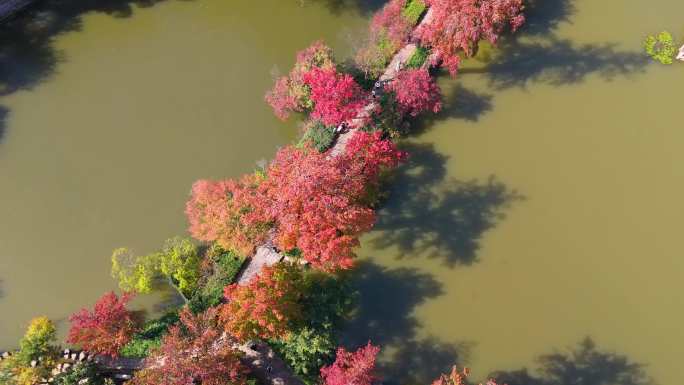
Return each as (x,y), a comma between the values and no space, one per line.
(107,328)
(389,31)
(389,23)
(194,353)
(456,377)
(266,306)
(415,92)
(365,156)
(290,93)
(352,368)
(317,202)
(221,211)
(459,25)
(336,97)
(283,99)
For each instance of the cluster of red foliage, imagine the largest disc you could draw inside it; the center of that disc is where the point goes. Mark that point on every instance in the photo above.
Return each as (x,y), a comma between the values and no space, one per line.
(456,377)
(317,201)
(415,92)
(316,208)
(391,24)
(290,94)
(366,155)
(107,328)
(220,211)
(194,353)
(265,307)
(355,368)
(336,97)
(389,31)
(282,98)
(459,25)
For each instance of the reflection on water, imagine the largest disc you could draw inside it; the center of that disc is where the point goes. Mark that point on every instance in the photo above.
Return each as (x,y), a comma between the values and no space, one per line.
(558,62)
(447,224)
(385,312)
(545,16)
(388,298)
(27,53)
(366,7)
(3,118)
(584,365)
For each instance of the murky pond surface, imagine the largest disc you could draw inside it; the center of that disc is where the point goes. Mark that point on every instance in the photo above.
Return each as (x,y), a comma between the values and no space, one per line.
(541,208)
(108,123)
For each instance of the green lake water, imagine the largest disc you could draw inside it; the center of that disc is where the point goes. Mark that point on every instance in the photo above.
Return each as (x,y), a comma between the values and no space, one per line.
(110,115)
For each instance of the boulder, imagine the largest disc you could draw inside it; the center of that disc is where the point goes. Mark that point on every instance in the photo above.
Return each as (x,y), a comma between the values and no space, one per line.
(680,55)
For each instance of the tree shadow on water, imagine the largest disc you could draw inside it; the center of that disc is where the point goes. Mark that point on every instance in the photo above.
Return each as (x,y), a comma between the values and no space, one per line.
(466,104)
(421,361)
(544,16)
(428,216)
(558,62)
(167,298)
(457,103)
(385,315)
(27,54)
(4,112)
(583,365)
(388,297)
(537,55)
(365,7)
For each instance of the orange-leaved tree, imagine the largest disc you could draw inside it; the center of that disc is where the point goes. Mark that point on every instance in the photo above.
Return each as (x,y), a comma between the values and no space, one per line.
(223,211)
(267,306)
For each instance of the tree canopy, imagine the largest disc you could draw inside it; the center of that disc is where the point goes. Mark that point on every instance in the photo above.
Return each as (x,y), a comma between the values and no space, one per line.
(105,329)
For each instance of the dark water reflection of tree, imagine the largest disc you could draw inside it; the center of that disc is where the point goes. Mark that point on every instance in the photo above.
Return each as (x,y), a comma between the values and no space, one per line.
(365,7)
(388,298)
(585,364)
(27,56)
(385,315)
(431,216)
